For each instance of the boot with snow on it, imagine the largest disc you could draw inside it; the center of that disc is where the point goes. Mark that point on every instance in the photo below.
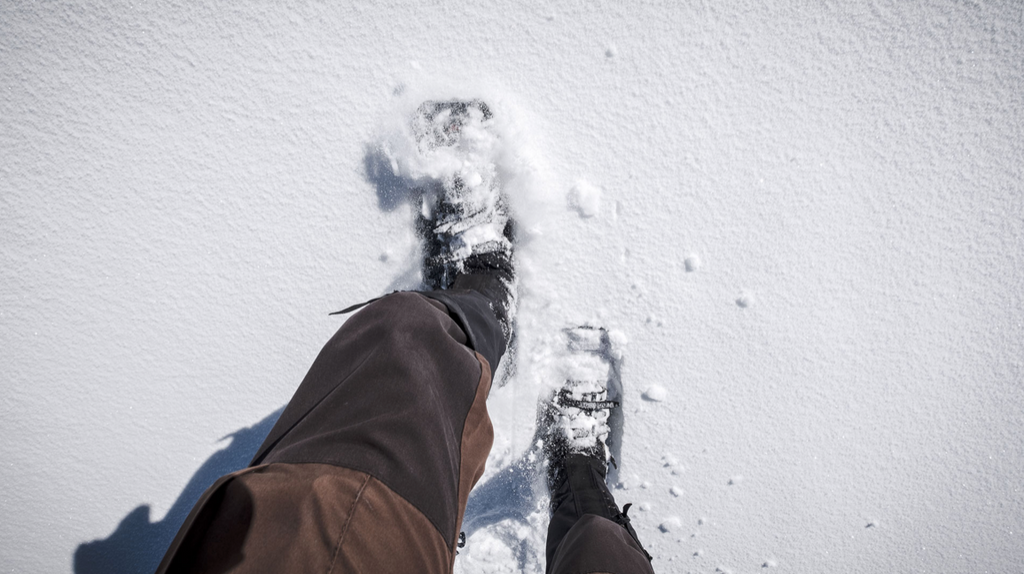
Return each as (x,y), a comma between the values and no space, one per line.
(465,225)
(578,431)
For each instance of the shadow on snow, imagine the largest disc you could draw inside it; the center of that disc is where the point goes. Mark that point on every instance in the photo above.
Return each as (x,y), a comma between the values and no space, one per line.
(137,545)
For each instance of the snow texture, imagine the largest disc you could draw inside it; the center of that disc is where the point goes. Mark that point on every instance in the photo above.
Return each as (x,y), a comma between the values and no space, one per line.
(808,229)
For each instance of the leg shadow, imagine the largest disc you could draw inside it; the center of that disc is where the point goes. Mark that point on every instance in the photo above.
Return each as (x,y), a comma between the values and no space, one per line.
(509,494)
(138,545)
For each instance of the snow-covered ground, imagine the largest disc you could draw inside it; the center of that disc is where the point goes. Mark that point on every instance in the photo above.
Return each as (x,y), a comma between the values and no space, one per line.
(803,223)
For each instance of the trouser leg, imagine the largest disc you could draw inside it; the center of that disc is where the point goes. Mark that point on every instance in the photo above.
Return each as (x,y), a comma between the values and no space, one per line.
(587,532)
(371,463)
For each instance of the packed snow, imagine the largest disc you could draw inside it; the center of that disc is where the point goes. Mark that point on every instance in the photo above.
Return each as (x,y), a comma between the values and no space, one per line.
(800,223)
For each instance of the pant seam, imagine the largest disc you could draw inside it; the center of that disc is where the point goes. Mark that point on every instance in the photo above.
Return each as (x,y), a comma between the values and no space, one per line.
(348,522)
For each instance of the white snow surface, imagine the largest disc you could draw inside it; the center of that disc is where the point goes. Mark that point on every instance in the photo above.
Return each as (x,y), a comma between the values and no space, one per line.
(187,189)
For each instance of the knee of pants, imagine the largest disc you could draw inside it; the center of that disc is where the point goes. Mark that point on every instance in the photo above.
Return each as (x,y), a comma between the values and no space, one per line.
(596,544)
(400,317)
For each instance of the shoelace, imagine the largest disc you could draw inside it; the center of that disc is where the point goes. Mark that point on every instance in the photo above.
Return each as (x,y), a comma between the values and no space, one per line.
(589,401)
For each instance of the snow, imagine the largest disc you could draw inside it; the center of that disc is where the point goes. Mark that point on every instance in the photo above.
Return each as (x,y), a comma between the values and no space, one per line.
(585,198)
(805,225)
(656,393)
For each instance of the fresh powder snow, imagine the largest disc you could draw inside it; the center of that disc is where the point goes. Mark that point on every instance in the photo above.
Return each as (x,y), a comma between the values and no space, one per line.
(800,223)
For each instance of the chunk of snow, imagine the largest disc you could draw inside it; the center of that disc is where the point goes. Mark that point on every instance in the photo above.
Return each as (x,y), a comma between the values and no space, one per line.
(691,263)
(669,524)
(656,393)
(585,198)
(745,300)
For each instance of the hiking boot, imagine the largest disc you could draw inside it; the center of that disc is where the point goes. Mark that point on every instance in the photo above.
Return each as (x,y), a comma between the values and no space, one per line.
(578,418)
(581,426)
(583,415)
(464,219)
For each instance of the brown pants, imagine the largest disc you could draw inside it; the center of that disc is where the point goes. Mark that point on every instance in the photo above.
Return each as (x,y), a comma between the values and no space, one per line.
(370,465)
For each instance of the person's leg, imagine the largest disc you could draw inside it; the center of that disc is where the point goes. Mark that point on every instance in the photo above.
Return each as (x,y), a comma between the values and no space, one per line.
(596,544)
(371,463)
(587,532)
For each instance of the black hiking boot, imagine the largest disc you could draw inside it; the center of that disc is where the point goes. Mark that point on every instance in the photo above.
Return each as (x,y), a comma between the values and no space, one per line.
(579,424)
(464,221)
